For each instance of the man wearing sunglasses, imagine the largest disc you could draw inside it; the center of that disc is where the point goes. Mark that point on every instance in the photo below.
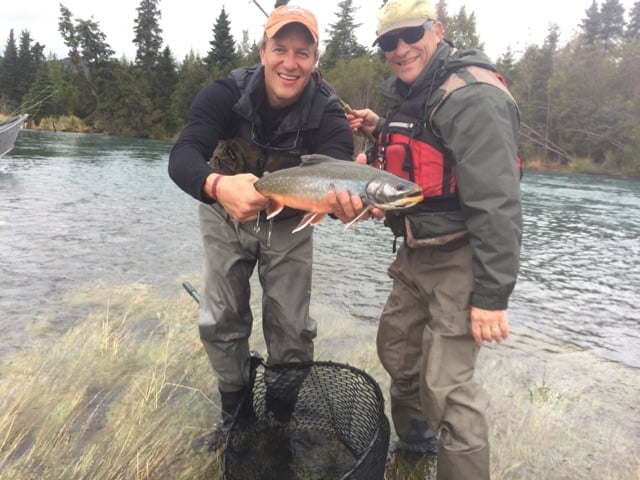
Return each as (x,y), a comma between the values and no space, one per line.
(453,129)
(259,119)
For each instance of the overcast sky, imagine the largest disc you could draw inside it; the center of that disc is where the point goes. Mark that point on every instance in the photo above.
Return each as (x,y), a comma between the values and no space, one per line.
(188,24)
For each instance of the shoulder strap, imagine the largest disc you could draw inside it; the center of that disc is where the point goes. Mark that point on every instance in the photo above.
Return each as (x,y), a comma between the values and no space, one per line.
(461,78)
(242,75)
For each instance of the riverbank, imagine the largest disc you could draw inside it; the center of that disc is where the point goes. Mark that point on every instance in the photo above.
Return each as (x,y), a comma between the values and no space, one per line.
(123,393)
(583,166)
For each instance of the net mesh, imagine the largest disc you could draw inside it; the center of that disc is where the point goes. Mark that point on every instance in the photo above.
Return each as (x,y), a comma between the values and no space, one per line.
(315,420)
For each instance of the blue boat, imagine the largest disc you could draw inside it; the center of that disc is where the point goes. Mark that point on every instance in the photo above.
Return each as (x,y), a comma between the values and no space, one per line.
(9,132)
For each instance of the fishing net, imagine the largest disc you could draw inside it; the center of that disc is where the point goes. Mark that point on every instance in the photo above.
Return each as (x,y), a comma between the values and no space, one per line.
(311,421)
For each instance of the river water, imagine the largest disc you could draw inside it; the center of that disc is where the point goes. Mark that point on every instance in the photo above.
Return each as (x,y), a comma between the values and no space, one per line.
(78,209)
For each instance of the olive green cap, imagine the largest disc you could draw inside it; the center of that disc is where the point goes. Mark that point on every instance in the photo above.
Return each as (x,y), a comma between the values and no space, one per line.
(396,14)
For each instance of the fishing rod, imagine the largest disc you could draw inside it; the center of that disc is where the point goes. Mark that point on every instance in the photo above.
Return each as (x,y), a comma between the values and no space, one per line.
(260,7)
(191,291)
(36,102)
(345,106)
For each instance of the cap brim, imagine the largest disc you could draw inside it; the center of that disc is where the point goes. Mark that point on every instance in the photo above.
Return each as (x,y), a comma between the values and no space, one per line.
(276,27)
(414,22)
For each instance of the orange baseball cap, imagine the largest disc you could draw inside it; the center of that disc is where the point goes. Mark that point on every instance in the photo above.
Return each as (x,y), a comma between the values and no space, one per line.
(286,14)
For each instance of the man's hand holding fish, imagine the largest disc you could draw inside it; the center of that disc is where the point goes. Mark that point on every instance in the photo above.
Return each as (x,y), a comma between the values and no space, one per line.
(347,207)
(237,195)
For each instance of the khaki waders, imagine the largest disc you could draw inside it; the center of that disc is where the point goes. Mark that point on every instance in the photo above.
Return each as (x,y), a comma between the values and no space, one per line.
(425,344)
(231,252)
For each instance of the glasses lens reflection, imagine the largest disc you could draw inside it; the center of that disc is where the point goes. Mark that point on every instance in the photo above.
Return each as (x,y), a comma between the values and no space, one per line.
(389,42)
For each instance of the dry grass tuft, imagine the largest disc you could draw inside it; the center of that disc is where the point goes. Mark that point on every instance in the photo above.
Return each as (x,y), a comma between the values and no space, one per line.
(121,396)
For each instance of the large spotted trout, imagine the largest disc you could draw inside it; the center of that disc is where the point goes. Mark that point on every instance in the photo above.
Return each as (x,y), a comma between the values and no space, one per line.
(305,188)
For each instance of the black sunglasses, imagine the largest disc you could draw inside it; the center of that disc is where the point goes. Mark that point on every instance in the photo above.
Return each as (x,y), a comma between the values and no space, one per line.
(389,42)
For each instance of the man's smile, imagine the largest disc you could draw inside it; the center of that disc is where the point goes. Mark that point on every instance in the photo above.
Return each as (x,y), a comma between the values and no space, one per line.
(288,77)
(402,63)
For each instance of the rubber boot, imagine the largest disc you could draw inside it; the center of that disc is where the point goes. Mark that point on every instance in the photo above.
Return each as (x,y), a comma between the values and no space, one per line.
(214,438)
(230,403)
(419,440)
(463,466)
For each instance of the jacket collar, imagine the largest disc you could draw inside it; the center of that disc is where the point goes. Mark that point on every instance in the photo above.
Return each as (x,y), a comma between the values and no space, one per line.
(253,98)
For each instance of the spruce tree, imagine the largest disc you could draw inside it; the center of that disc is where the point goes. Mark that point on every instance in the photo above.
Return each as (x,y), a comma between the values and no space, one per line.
(147,31)
(461,30)
(68,32)
(506,65)
(192,76)
(90,55)
(591,25)
(632,31)
(442,12)
(93,42)
(29,58)
(166,81)
(249,52)
(612,23)
(85,40)
(342,42)
(9,73)
(222,56)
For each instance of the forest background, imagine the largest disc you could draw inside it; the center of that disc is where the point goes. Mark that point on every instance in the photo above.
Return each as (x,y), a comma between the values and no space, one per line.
(579,102)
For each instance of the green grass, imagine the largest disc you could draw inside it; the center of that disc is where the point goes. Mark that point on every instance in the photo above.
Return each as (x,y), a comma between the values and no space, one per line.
(122,394)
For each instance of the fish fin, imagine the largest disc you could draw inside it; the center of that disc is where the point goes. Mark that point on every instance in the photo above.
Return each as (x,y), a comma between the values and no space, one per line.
(346,227)
(311,218)
(273,209)
(317,218)
(316,158)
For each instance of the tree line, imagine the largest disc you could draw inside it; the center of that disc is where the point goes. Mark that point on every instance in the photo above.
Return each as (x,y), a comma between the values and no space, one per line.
(579,101)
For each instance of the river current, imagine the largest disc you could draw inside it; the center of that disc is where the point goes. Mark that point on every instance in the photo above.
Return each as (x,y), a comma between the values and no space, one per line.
(78,209)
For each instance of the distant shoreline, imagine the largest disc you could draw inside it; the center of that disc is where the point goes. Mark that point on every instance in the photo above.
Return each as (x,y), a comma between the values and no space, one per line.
(583,166)
(595,171)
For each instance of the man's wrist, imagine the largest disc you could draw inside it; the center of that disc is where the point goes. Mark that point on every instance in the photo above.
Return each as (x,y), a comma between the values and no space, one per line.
(213,192)
(379,126)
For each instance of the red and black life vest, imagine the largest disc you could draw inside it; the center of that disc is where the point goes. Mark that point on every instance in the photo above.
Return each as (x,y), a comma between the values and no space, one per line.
(409,145)
(408,148)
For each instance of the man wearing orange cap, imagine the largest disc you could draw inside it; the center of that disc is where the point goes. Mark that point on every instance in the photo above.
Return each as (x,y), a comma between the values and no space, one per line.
(452,129)
(259,119)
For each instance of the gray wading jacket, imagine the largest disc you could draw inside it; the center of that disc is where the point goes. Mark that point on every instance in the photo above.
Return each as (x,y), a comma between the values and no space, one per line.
(478,125)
